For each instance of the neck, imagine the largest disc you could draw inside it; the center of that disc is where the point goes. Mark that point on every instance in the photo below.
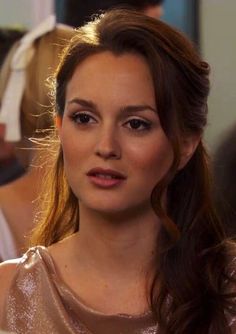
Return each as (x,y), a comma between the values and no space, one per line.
(117,245)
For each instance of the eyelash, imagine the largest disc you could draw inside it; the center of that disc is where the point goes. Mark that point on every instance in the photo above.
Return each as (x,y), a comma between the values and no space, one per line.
(77,115)
(144,124)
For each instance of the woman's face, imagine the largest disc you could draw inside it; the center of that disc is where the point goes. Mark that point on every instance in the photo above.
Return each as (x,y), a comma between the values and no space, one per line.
(114,148)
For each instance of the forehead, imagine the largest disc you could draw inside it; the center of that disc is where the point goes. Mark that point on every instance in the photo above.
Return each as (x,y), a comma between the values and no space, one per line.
(105,72)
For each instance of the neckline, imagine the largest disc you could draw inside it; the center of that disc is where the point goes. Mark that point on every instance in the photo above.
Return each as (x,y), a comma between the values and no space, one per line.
(51,266)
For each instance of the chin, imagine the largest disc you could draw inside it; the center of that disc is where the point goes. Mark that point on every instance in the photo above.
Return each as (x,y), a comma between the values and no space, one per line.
(106,209)
(114,209)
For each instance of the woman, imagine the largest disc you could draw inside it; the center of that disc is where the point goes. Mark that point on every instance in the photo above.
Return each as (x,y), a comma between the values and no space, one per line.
(132,241)
(24,114)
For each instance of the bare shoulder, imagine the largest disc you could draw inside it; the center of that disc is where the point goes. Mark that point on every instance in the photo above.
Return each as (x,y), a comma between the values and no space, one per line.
(7,272)
(61,250)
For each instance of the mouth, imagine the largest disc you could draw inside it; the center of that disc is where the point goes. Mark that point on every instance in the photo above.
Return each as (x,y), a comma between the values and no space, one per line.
(105,178)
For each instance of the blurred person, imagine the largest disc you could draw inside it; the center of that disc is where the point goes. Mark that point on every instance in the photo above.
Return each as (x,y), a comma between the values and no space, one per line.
(128,241)
(225,178)
(10,168)
(25,101)
(8,36)
(79,12)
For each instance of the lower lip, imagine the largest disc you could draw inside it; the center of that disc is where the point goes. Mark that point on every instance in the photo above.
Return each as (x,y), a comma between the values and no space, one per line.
(105,183)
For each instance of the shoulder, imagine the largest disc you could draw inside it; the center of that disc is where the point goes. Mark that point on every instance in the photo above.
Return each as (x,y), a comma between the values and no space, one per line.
(5,194)
(16,270)
(2,193)
(7,273)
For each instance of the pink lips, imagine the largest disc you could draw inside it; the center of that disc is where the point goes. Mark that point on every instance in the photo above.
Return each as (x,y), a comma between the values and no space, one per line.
(105,178)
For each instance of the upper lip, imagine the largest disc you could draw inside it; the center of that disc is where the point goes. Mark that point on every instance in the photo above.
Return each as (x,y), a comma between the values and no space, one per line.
(99,170)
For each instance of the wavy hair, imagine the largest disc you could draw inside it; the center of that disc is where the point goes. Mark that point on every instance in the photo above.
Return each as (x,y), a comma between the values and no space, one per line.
(187,292)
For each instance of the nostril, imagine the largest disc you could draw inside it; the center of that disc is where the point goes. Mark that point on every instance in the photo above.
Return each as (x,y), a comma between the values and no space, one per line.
(107,154)
(107,145)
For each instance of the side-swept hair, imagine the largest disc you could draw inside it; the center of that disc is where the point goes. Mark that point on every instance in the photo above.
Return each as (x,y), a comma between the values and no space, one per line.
(186,294)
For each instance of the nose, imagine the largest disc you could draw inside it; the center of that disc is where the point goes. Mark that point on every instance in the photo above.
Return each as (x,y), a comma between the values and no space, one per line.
(107,146)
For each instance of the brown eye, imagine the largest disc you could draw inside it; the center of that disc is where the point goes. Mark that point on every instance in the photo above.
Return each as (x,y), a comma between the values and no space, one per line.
(82,118)
(138,124)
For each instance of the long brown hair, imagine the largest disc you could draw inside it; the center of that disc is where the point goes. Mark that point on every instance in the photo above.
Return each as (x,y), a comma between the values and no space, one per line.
(191,251)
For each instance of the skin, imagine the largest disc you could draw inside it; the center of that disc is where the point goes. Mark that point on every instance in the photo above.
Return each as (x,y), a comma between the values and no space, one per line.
(118,227)
(20,194)
(107,138)
(116,243)
(154,11)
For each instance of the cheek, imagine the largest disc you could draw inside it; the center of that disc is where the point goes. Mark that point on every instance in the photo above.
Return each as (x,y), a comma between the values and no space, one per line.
(153,161)
(71,151)
(73,155)
(74,146)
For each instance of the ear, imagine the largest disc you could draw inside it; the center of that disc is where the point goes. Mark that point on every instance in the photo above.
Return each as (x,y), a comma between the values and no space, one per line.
(58,124)
(58,121)
(188,147)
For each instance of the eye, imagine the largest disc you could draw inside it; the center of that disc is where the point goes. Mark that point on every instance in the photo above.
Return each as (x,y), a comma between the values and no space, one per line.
(82,118)
(138,124)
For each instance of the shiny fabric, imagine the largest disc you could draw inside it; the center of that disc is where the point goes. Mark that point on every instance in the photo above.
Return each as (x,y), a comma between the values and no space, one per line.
(40,303)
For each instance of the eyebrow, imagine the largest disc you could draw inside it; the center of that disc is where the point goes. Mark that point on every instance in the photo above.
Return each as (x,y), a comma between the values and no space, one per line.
(127,109)
(84,103)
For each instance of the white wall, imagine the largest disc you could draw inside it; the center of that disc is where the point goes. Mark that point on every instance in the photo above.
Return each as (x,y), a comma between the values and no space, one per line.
(24,13)
(218,43)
